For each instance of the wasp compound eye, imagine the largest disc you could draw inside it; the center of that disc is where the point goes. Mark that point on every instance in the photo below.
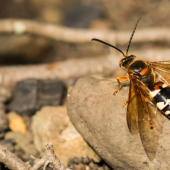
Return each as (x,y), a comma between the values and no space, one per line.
(121,62)
(125,62)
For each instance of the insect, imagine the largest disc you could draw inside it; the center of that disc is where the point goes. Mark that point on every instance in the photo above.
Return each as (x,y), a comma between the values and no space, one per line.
(149,96)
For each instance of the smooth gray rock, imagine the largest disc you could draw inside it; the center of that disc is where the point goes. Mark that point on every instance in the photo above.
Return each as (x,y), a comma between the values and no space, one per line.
(101,120)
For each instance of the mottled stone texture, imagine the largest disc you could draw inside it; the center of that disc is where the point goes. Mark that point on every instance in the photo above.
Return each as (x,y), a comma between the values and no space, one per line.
(101,120)
(52,125)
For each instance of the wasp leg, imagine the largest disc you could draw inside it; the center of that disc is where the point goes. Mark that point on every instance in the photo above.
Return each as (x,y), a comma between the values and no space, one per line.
(150,122)
(120,79)
(125,102)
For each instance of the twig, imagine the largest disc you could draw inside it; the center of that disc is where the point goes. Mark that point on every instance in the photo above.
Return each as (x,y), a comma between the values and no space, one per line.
(39,163)
(49,159)
(14,163)
(11,161)
(73,68)
(66,34)
(52,158)
(65,70)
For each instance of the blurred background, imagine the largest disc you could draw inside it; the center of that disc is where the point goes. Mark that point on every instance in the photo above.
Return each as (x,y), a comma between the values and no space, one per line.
(78,14)
(40,32)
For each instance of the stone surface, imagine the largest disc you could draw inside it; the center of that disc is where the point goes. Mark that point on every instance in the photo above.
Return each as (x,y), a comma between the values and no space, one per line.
(52,125)
(101,120)
(31,94)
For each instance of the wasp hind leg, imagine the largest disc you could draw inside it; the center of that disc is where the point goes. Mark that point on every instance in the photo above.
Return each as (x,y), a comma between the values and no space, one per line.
(120,79)
(125,102)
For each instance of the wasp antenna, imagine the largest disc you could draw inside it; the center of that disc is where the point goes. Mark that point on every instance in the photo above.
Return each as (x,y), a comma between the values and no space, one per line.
(132,35)
(95,39)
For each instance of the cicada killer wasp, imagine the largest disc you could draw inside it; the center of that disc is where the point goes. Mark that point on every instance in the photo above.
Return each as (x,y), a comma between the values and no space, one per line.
(149,96)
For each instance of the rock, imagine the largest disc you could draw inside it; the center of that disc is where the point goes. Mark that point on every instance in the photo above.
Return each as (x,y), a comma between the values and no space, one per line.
(31,94)
(24,147)
(9,144)
(16,123)
(80,15)
(100,118)
(5,94)
(52,125)
(78,160)
(3,121)
(80,163)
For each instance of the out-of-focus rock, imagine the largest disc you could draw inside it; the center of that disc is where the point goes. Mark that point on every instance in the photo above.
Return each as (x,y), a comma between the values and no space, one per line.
(52,125)
(9,144)
(3,122)
(31,94)
(5,94)
(78,160)
(16,123)
(80,15)
(86,163)
(24,147)
(101,120)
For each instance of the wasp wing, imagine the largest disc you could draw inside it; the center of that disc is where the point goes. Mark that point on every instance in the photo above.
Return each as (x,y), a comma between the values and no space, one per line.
(150,120)
(132,110)
(162,65)
(162,70)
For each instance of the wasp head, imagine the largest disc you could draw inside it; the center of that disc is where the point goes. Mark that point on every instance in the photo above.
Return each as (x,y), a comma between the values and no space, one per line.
(126,61)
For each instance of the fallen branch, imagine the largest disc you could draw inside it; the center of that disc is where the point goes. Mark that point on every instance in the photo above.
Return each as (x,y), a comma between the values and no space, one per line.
(66,34)
(64,70)
(73,68)
(11,161)
(52,159)
(39,163)
(49,159)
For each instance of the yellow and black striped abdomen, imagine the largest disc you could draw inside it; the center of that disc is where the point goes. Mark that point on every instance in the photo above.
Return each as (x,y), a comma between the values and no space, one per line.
(161,93)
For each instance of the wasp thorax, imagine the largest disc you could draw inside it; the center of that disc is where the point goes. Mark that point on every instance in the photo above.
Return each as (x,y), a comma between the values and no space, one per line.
(125,62)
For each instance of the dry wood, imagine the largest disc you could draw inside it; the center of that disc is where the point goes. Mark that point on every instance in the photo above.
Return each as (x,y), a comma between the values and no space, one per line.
(78,67)
(73,68)
(66,34)
(70,69)
(11,161)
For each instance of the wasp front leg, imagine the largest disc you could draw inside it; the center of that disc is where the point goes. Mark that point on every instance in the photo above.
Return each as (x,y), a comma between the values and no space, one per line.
(120,79)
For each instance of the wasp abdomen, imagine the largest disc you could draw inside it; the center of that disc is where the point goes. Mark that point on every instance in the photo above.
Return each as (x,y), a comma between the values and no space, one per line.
(161,93)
